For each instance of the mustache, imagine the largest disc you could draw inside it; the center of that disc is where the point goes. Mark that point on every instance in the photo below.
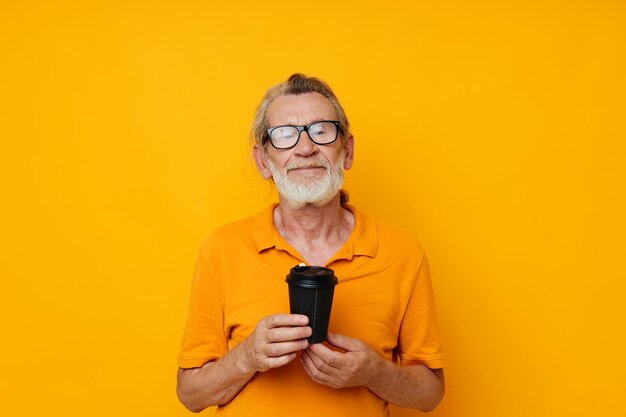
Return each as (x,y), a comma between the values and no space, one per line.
(307,163)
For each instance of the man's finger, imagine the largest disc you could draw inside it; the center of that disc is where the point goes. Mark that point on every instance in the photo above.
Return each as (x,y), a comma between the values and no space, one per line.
(280,361)
(326,355)
(316,360)
(282,320)
(313,371)
(283,348)
(285,334)
(344,342)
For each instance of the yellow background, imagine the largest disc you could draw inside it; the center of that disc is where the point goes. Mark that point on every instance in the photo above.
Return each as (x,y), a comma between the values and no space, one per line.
(492,130)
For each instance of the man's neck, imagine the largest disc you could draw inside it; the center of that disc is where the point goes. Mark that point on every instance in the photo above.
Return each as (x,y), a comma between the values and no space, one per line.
(317,232)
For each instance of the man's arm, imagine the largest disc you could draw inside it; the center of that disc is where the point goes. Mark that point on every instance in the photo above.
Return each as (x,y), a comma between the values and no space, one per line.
(414,386)
(274,343)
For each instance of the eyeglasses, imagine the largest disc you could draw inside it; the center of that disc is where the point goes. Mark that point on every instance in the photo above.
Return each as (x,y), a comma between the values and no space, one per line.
(323,132)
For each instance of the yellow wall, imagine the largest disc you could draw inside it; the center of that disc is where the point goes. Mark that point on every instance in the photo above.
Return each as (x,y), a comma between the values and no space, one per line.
(492,130)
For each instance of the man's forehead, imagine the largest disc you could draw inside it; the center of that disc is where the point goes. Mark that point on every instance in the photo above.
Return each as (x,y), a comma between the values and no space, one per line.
(300,109)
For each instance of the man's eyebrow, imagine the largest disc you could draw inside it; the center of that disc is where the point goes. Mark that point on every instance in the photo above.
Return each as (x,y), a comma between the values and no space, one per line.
(319,119)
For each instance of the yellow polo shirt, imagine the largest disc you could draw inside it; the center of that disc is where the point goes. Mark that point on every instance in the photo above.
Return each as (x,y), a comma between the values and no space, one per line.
(384,298)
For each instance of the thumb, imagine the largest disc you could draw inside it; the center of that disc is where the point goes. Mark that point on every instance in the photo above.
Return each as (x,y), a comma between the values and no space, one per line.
(344,342)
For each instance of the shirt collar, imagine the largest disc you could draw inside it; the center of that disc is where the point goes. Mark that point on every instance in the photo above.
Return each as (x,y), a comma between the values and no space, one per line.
(363,241)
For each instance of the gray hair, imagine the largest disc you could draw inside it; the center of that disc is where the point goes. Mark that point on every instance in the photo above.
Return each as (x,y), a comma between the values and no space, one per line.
(295,85)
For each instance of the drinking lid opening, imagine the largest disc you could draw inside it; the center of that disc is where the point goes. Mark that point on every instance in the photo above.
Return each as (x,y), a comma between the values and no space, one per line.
(311,277)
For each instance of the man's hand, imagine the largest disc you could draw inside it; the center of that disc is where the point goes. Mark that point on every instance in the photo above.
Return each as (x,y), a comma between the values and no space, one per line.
(357,367)
(275,341)
(413,386)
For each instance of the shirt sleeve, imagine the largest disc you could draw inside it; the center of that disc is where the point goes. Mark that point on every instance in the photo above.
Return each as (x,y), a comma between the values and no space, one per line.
(203,338)
(420,340)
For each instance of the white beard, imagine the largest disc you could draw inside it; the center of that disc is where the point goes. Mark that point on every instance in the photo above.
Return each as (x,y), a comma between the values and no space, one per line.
(316,191)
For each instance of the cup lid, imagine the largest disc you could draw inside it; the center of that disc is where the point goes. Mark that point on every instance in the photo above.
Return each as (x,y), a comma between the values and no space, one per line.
(311,277)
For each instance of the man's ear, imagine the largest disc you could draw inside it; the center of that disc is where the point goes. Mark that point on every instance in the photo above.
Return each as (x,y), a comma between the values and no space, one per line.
(260,156)
(349,149)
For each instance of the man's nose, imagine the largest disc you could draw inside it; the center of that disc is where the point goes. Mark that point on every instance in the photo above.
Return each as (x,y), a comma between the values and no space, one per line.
(305,146)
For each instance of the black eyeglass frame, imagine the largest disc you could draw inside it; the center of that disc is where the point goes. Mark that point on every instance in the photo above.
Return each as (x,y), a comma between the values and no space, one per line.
(304,129)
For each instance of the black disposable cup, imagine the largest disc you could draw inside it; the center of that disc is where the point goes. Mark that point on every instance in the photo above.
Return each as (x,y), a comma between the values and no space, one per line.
(311,291)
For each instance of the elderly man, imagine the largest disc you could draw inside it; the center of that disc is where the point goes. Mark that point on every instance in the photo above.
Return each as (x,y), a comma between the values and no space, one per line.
(241,350)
